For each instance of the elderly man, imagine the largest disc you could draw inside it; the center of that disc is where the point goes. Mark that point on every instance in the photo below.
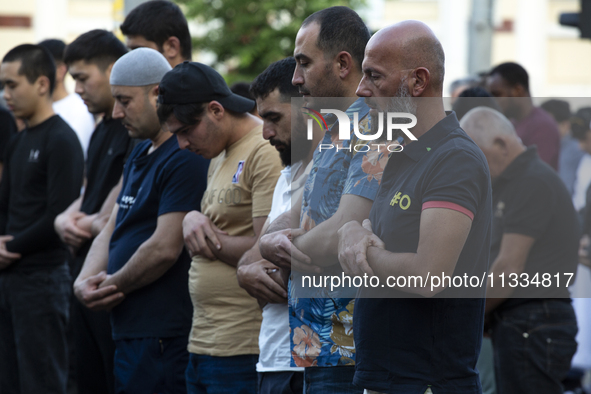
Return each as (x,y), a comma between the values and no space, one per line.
(534,238)
(431,216)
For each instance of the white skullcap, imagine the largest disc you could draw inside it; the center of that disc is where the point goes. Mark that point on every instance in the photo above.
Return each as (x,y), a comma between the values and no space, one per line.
(140,67)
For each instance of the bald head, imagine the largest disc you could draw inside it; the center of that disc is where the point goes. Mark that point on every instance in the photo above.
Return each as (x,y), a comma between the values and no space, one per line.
(411,44)
(495,136)
(484,124)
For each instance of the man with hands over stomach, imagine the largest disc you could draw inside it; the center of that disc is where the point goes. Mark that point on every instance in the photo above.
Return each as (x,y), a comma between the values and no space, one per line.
(328,51)
(141,247)
(431,216)
(216,124)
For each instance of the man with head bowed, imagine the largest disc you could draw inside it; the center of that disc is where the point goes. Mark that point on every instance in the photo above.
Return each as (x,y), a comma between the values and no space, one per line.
(431,216)
(534,235)
(137,266)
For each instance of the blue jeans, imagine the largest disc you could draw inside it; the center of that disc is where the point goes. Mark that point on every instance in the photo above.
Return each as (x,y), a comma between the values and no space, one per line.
(330,380)
(533,346)
(222,375)
(151,365)
(34,308)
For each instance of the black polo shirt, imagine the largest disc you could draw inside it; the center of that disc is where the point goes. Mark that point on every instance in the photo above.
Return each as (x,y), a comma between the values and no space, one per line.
(529,198)
(405,345)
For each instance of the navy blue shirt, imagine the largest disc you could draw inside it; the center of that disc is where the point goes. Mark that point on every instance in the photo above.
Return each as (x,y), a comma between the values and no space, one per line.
(167,180)
(406,344)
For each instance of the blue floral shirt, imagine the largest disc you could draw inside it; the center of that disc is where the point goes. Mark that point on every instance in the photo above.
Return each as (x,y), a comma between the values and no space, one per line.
(322,327)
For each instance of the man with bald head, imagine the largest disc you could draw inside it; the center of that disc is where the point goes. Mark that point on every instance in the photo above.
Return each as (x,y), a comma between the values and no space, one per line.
(431,216)
(535,232)
(137,266)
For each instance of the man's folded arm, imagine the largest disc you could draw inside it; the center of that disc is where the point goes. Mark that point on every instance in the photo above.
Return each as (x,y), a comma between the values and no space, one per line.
(443,233)
(154,256)
(321,242)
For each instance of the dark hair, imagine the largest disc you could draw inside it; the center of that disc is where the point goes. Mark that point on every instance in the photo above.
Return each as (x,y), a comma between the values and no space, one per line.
(277,76)
(56,48)
(559,109)
(472,98)
(100,47)
(36,61)
(242,89)
(341,29)
(581,123)
(512,73)
(188,114)
(157,21)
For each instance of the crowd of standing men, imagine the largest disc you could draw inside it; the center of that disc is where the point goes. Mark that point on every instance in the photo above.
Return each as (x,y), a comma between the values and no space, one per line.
(197,219)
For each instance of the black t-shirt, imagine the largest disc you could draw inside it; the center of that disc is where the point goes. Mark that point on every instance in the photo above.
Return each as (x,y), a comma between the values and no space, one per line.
(109,147)
(529,198)
(403,345)
(7,130)
(42,176)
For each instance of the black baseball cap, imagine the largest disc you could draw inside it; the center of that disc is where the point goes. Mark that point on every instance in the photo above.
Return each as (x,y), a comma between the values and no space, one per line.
(192,82)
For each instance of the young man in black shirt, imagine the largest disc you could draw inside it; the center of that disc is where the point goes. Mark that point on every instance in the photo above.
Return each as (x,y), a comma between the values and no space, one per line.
(90,58)
(42,176)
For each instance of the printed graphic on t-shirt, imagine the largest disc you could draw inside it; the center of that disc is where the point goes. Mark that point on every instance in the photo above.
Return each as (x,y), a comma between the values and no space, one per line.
(236,177)
(126,202)
(34,156)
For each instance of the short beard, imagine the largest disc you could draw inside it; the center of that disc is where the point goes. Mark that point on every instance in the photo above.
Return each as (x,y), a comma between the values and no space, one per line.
(300,145)
(285,156)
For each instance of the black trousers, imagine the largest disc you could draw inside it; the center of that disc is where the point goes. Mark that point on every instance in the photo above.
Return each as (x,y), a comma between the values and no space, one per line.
(285,382)
(94,346)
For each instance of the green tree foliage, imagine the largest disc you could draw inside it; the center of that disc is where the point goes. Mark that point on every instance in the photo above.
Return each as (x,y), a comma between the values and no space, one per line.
(246,36)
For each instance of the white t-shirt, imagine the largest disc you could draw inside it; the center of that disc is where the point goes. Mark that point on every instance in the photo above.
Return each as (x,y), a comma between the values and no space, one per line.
(73,110)
(274,345)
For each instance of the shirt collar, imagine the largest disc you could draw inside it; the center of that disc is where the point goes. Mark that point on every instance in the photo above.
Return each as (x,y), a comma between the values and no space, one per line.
(518,166)
(428,141)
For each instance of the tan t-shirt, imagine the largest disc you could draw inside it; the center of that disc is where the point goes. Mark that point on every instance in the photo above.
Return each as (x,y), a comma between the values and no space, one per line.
(240,184)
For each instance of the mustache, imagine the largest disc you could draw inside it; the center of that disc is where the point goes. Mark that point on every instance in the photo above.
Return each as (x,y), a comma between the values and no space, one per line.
(275,142)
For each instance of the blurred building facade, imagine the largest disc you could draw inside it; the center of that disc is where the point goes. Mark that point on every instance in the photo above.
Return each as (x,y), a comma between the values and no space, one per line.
(525,31)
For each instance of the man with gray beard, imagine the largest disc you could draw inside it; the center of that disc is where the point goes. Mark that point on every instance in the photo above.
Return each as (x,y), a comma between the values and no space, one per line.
(431,216)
